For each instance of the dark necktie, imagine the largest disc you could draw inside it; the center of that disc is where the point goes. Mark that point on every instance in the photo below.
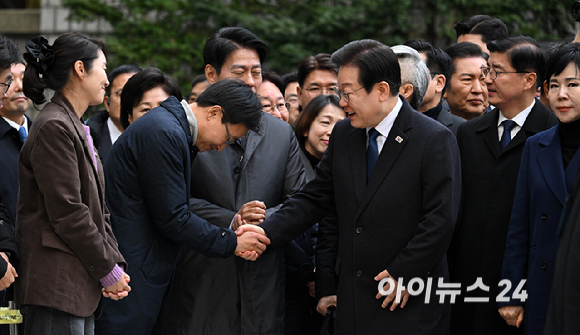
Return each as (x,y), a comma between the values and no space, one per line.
(506,137)
(22,133)
(372,152)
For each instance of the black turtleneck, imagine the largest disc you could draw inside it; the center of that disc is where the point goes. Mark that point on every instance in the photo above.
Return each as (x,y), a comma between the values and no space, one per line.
(313,160)
(434,112)
(569,140)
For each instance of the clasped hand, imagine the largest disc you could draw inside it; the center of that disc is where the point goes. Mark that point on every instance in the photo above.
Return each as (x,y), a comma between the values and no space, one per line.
(119,290)
(252,239)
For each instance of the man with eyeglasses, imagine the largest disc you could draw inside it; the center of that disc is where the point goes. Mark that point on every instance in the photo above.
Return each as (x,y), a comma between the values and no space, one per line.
(252,177)
(105,124)
(270,94)
(316,75)
(391,176)
(491,147)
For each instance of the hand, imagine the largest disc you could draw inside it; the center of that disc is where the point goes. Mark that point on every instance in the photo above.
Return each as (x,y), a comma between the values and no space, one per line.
(10,274)
(252,241)
(513,315)
(326,302)
(253,212)
(311,287)
(119,290)
(392,296)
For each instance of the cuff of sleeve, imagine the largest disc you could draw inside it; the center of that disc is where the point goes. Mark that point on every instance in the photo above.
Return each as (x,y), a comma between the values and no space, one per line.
(112,277)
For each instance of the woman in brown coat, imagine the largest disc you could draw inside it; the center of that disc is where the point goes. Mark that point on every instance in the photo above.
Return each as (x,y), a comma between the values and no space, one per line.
(68,252)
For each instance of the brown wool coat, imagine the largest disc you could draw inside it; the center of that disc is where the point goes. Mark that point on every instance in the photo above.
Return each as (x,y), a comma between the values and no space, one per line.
(63,229)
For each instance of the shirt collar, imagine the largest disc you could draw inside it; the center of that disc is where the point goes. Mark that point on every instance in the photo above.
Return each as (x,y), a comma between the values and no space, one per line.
(519,119)
(384,127)
(16,125)
(191,120)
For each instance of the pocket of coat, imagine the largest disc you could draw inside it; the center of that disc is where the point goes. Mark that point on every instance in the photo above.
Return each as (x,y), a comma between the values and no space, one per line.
(52,240)
(158,264)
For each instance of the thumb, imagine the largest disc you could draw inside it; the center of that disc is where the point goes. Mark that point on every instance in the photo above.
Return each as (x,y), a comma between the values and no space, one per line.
(382,275)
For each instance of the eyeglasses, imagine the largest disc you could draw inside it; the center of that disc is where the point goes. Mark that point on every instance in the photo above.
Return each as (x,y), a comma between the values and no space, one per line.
(7,85)
(319,90)
(280,107)
(493,72)
(345,95)
(229,141)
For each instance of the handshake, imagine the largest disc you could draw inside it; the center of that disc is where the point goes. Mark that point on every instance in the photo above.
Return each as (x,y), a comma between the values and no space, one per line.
(252,240)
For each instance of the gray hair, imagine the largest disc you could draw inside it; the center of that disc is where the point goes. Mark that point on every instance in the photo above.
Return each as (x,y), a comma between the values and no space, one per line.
(413,71)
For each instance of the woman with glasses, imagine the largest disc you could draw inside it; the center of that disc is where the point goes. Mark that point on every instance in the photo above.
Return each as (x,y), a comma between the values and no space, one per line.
(69,256)
(313,128)
(550,162)
(145,91)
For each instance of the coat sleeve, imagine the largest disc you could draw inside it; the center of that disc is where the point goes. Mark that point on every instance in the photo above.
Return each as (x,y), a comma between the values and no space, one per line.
(441,180)
(162,172)
(517,243)
(326,257)
(55,163)
(7,240)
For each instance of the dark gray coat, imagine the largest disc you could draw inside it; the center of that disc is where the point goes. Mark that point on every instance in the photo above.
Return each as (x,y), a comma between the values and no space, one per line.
(234,296)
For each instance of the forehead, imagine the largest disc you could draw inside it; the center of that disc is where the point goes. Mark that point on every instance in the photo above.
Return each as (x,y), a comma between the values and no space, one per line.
(320,77)
(500,60)
(348,76)
(200,86)
(154,95)
(5,74)
(243,57)
(17,68)
(570,71)
(121,79)
(469,65)
(269,90)
(473,38)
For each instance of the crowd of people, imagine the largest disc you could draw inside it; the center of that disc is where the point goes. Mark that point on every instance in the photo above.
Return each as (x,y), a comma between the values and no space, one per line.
(404,189)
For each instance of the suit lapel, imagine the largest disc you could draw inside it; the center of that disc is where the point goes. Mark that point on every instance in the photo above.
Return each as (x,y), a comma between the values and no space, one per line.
(489,126)
(394,145)
(252,140)
(549,158)
(358,161)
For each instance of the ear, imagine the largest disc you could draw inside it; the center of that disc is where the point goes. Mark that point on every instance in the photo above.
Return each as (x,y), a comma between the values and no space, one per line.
(130,117)
(530,81)
(406,90)
(299,92)
(214,112)
(79,69)
(107,101)
(440,85)
(211,74)
(546,88)
(384,91)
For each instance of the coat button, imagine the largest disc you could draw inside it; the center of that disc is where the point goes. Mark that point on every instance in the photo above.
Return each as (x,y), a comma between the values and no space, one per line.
(91,268)
(544,265)
(224,234)
(544,216)
(358,230)
(359,273)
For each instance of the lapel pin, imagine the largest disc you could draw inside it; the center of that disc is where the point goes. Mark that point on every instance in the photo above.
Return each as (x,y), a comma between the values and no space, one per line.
(399,139)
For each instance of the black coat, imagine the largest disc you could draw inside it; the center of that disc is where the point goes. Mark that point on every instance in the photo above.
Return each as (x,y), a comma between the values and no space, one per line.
(100,133)
(7,240)
(563,317)
(489,184)
(401,221)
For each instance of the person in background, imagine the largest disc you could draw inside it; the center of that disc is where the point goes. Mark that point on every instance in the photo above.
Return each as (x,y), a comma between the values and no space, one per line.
(480,30)
(316,75)
(438,62)
(271,96)
(313,128)
(68,253)
(414,75)
(106,124)
(291,96)
(549,165)
(198,85)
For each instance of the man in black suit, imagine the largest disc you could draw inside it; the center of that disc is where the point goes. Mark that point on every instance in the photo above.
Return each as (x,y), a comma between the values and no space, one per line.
(491,147)
(396,225)
(106,124)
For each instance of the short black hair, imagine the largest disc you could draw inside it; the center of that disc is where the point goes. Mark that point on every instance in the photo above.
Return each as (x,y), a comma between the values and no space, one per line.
(420,46)
(560,56)
(375,61)
(125,68)
(490,28)
(274,79)
(200,78)
(289,78)
(311,63)
(220,45)
(9,53)
(140,83)
(523,53)
(462,50)
(241,105)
